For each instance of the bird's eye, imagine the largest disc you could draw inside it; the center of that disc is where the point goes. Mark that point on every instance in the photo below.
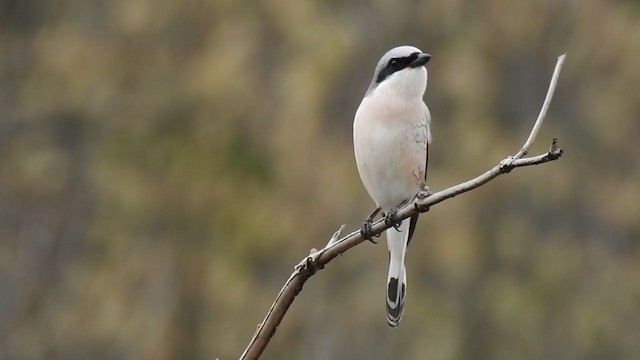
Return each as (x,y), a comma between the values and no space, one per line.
(393,62)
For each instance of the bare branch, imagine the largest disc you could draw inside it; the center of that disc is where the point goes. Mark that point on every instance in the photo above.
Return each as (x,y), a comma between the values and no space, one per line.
(545,106)
(317,259)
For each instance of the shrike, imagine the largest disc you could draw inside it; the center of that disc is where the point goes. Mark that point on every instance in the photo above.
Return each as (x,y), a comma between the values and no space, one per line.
(391,139)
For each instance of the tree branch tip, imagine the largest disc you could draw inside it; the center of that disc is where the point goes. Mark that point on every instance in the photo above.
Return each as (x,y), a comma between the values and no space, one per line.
(554,151)
(555,154)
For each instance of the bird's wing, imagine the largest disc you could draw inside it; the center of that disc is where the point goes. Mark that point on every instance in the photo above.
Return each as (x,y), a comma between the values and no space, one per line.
(414,218)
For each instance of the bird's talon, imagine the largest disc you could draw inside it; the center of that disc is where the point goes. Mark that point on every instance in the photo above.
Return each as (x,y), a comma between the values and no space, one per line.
(367,226)
(390,219)
(367,232)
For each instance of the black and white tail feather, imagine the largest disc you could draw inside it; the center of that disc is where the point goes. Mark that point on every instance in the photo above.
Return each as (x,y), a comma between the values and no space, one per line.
(397,241)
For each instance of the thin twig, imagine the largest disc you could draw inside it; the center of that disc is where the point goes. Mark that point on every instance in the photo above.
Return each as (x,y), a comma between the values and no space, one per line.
(318,259)
(543,111)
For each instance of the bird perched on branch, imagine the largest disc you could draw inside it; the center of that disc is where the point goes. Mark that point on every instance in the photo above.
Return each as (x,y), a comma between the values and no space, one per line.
(391,139)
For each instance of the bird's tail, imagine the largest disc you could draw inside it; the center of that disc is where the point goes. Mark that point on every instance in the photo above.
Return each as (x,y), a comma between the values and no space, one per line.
(397,278)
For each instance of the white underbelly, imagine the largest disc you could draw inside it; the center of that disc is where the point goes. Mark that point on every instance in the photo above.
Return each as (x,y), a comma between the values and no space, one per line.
(391,161)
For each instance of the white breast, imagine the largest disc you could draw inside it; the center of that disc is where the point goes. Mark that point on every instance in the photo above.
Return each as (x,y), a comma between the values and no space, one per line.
(390,136)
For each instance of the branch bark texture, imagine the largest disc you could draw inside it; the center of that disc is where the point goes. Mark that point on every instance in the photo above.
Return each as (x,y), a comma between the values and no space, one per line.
(317,259)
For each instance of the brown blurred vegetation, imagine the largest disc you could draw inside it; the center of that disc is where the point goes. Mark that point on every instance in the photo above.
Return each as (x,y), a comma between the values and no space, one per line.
(164,164)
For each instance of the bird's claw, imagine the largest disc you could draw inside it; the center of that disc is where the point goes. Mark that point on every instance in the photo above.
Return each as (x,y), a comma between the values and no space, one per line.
(367,232)
(391,220)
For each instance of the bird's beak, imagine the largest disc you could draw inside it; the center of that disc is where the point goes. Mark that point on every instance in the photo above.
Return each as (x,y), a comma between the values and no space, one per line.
(420,60)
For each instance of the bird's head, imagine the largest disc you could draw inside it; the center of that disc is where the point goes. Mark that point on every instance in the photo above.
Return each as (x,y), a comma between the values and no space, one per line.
(401,70)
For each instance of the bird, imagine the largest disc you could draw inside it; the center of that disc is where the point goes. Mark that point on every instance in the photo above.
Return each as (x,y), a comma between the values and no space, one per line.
(391,137)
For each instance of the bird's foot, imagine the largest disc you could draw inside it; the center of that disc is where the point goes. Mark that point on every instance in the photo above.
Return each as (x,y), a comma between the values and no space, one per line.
(390,218)
(367,232)
(367,226)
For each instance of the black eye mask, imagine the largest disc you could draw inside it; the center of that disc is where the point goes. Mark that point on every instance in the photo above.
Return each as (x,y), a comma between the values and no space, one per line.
(396,64)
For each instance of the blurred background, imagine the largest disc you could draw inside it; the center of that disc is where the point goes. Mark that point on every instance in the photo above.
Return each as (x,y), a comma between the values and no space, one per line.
(165,164)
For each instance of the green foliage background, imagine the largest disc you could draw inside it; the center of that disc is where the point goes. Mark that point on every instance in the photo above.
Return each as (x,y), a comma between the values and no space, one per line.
(164,164)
